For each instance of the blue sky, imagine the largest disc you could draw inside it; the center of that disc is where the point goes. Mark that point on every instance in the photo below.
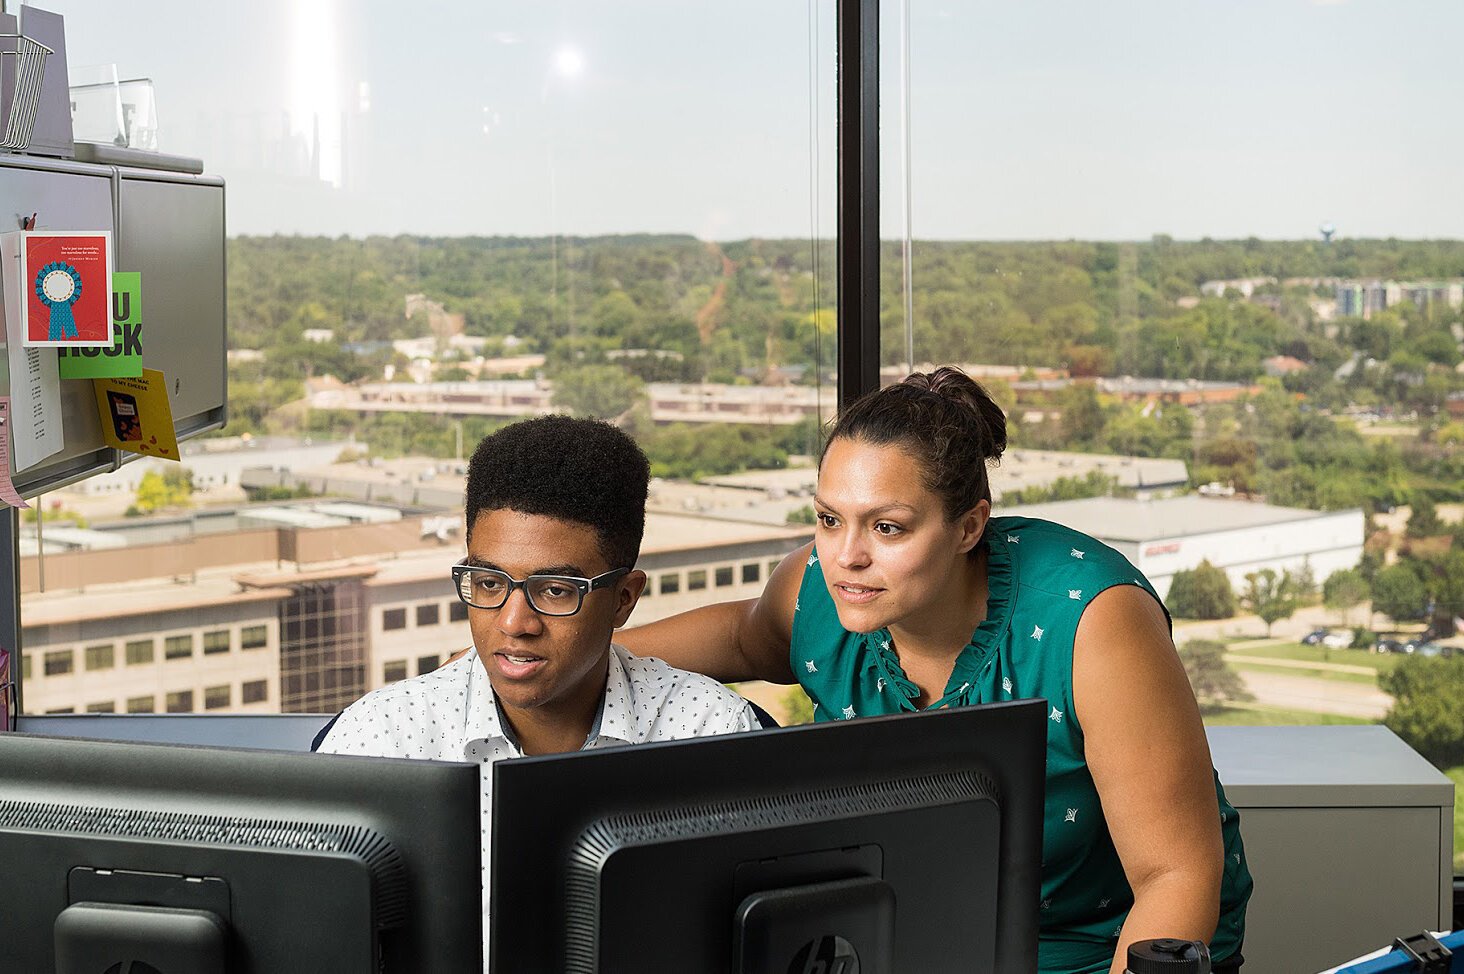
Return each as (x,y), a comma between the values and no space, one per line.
(1036,119)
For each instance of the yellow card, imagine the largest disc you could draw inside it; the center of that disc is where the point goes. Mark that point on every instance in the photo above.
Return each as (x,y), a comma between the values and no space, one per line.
(136,415)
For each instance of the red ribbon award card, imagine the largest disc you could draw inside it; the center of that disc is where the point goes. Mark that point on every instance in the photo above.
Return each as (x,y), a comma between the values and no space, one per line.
(66,283)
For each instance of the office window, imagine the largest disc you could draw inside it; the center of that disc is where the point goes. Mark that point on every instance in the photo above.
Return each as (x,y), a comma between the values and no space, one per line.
(103,656)
(105,707)
(696,580)
(426,664)
(253,691)
(751,572)
(60,662)
(179,702)
(773,565)
(140,651)
(724,576)
(722,333)
(670,582)
(140,705)
(216,641)
(25,666)
(216,698)
(178,647)
(62,710)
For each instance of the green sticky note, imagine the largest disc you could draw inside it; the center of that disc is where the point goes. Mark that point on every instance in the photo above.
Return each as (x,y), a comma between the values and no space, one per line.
(124,358)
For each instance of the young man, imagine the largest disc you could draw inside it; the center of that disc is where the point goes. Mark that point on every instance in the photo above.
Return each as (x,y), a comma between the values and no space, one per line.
(555,514)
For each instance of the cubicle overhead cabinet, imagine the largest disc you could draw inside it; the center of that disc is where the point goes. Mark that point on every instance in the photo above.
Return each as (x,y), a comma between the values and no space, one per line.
(1348,834)
(167,226)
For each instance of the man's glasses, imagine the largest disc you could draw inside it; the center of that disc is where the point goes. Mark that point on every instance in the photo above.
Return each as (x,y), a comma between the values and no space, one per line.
(550,595)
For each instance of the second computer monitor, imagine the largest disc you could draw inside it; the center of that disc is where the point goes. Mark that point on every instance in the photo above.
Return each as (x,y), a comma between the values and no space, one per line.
(892,844)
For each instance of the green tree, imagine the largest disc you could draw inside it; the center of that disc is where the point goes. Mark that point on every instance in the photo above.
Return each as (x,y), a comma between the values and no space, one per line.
(1428,707)
(803,515)
(1424,521)
(1344,589)
(56,512)
(1214,682)
(1270,596)
(1304,583)
(1398,593)
(156,491)
(598,391)
(1202,592)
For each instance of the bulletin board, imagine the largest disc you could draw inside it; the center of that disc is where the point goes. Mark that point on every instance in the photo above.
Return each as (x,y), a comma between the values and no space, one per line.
(170,228)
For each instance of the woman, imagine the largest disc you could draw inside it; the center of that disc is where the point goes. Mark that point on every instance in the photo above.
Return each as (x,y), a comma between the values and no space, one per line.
(912,596)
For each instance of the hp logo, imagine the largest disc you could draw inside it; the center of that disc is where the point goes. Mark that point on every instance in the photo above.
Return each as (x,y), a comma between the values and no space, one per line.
(826,955)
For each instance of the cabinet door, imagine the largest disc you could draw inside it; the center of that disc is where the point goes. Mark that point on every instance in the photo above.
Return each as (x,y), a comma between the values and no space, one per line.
(1335,883)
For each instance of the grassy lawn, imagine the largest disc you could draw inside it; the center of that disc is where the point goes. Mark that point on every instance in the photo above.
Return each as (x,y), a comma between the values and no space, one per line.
(1382,662)
(1458,775)
(1364,678)
(1237,716)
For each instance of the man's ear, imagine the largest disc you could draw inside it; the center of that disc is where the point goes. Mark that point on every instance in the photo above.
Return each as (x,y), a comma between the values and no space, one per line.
(973,524)
(627,592)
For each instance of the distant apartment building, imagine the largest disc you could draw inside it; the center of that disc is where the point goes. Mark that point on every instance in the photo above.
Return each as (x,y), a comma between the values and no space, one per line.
(705,402)
(1363,299)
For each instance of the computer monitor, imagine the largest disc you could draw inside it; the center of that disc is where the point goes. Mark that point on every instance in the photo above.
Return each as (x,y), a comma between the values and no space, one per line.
(192,859)
(892,844)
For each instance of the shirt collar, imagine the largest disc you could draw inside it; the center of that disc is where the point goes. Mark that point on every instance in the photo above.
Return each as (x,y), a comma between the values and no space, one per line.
(617,714)
(484,721)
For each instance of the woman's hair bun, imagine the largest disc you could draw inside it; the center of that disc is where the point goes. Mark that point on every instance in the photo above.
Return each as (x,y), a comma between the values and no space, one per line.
(955,386)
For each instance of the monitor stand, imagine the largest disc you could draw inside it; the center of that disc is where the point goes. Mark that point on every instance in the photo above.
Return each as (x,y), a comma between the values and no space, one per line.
(845,926)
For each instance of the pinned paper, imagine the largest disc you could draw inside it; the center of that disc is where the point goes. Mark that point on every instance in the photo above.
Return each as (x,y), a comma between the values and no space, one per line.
(124,358)
(66,284)
(136,415)
(34,424)
(8,493)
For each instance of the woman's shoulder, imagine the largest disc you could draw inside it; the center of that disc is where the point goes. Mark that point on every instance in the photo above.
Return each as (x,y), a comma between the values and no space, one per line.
(1043,552)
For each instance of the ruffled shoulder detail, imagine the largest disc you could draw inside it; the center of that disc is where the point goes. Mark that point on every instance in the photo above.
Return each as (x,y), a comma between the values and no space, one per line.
(887,661)
(1000,550)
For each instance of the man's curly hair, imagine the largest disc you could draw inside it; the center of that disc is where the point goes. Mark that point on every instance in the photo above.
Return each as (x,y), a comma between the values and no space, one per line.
(579,470)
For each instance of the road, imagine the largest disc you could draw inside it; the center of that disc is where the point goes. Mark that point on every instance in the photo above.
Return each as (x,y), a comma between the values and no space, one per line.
(1340,697)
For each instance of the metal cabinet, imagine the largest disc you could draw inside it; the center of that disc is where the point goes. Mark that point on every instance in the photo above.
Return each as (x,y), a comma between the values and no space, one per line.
(1349,836)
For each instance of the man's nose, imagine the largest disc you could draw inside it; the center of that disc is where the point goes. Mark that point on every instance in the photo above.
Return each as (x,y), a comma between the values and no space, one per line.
(517,617)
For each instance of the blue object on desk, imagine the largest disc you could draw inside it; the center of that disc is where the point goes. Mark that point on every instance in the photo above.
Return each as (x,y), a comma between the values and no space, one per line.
(1406,961)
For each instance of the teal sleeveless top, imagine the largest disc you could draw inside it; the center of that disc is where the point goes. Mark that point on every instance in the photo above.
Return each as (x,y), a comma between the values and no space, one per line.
(1040,577)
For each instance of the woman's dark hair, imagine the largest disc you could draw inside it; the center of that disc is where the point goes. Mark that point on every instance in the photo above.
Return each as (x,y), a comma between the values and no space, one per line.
(579,470)
(945,421)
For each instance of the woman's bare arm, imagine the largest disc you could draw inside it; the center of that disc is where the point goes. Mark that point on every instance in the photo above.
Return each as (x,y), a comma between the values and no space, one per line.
(730,641)
(1149,758)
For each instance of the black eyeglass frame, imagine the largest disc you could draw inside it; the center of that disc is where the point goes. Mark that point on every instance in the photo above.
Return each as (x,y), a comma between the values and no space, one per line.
(583,586)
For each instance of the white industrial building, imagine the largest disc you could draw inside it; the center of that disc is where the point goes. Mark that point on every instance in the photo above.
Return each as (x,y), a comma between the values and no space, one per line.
(217,462)
(1168,535)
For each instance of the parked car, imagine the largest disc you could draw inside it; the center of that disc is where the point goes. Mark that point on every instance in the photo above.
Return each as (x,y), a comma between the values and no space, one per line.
(1339,639)
(1315,636)
(1435,650)
(1387,646)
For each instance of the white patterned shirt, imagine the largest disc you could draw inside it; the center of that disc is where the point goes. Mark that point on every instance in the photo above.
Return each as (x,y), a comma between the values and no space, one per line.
(450,714)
